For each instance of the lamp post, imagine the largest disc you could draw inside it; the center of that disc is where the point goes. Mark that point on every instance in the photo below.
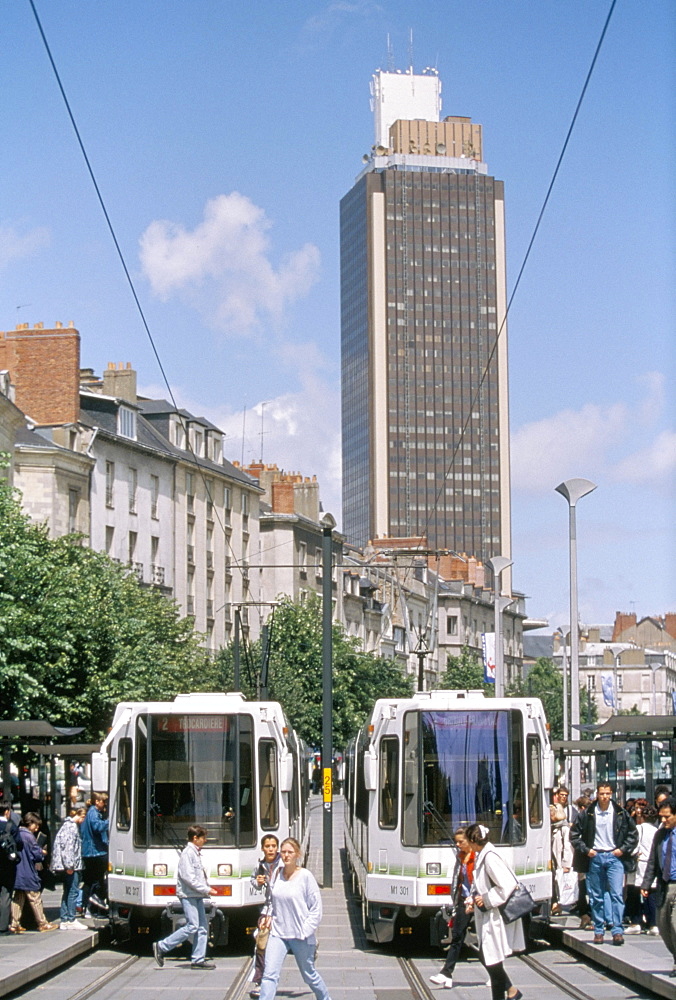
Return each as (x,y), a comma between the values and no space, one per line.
(328,524)
(573,490)
(498,564)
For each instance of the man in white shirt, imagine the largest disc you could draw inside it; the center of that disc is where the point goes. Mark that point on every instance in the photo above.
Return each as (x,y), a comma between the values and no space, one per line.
(604,837)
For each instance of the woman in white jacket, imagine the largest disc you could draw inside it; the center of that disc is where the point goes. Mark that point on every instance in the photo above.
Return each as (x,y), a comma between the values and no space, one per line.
(494,882)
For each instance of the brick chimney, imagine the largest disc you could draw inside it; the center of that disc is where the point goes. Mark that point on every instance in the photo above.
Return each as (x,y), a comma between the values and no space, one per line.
(282,497)
(623,622)
(120,381)
(45,368)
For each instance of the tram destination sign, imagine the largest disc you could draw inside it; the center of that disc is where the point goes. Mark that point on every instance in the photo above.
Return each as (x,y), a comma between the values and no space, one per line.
(192,723)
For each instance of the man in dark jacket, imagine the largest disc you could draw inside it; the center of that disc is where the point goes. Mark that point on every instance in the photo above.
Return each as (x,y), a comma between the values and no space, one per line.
(604,837)
(662,865)
(7,867)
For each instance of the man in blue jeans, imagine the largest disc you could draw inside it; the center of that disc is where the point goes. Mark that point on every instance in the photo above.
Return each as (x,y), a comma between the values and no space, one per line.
(604,837)
(191,888)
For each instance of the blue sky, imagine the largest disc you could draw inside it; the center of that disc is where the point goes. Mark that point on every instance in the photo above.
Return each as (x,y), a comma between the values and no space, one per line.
(223,136)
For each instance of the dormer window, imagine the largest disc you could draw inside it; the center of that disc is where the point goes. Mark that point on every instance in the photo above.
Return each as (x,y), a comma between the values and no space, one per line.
(126,423)
(179,434)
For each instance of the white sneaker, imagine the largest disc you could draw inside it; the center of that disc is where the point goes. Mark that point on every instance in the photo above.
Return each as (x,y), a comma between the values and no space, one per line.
(441,980)
(655,931)
(79,925)
(65,925)
(633,929)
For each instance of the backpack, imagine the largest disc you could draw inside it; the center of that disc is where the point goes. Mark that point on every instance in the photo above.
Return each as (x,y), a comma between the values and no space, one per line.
(8,846)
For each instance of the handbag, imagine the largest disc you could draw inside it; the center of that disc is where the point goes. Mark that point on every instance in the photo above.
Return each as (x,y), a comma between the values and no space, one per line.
(518,905)
(264,928)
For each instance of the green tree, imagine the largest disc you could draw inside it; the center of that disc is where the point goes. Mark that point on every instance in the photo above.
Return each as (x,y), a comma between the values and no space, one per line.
(545,681)
(295,673)
(465,672)
(78,633)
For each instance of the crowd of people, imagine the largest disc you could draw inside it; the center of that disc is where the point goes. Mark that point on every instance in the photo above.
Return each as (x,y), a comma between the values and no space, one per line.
(30,862)
(613,864)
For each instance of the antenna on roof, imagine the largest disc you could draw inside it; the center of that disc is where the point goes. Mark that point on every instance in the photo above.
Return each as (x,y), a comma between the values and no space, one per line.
(390,55)
(410,51)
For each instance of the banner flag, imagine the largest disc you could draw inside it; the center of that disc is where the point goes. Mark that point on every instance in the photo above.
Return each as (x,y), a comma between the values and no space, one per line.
(488,644)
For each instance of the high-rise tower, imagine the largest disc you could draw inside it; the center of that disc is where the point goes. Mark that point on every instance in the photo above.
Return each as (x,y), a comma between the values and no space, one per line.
(423,297)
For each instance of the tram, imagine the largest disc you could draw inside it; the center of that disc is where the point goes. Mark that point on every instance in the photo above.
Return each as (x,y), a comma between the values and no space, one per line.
(425,766)
(229,765)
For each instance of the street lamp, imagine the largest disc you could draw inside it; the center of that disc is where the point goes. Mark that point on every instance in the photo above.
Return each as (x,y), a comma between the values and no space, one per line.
(328,523)
(573,490)
(498,564)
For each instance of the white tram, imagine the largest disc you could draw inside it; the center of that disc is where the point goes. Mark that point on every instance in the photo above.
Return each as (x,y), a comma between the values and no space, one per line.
(424,767)
(231,766)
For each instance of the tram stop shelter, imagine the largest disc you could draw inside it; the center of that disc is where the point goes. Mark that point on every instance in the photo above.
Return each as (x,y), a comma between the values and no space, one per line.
(634,752)
(25,732)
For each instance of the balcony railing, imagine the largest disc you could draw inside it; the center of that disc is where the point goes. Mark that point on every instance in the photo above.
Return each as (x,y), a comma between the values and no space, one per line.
(137,569)
(157,573)
(228,566)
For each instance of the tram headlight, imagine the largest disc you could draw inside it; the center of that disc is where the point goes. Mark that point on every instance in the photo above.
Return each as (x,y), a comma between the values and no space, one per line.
(433,867)
(160,871)
(224,871)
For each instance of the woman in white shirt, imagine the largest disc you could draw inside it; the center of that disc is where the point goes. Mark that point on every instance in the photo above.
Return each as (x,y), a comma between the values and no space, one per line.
(494,882)
(296,914)
(642,911)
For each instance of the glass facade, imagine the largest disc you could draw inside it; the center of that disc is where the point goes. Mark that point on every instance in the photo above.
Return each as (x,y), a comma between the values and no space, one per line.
(441,320)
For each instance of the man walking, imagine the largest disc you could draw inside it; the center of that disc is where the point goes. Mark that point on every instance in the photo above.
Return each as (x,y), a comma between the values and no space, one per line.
(604,837)
(662,864)
(191,888)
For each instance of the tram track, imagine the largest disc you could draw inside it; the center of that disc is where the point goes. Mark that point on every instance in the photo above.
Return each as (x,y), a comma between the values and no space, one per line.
(421,991)
(104,979)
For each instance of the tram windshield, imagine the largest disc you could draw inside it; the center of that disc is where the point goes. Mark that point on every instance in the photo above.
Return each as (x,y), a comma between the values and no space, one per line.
(462,768)
(198,769)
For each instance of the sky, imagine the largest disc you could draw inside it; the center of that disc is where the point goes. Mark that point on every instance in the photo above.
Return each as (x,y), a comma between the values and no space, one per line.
(223,135)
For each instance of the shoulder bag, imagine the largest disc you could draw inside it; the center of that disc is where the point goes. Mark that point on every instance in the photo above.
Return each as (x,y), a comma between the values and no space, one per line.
(518,904)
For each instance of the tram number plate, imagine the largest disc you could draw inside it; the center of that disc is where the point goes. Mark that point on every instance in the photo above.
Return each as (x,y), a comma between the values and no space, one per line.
(328,787)
(400,890)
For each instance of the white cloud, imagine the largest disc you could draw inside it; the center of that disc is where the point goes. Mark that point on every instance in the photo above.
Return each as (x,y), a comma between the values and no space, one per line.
(333,16)
(15,245)
(649,465)
(222,266)
(301,429)
(569,443)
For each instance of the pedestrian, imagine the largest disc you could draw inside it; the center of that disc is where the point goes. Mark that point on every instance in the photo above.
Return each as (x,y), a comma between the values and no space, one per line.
(262,880)
(661,793)
(562,854)
(95,856)
(641,912)
(296,915)
(67,860)
(191,888)
(11,846)
(604,837)
(562,798)
(27,886)
(462,882)
(662,866)
(494,882)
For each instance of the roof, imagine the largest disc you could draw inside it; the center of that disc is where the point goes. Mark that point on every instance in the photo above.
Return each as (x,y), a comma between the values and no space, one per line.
(535,646)
(162,406)
(637,725)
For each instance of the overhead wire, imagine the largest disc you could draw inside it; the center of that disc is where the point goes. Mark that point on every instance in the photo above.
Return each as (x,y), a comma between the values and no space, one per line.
(519,276)
(132,287)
